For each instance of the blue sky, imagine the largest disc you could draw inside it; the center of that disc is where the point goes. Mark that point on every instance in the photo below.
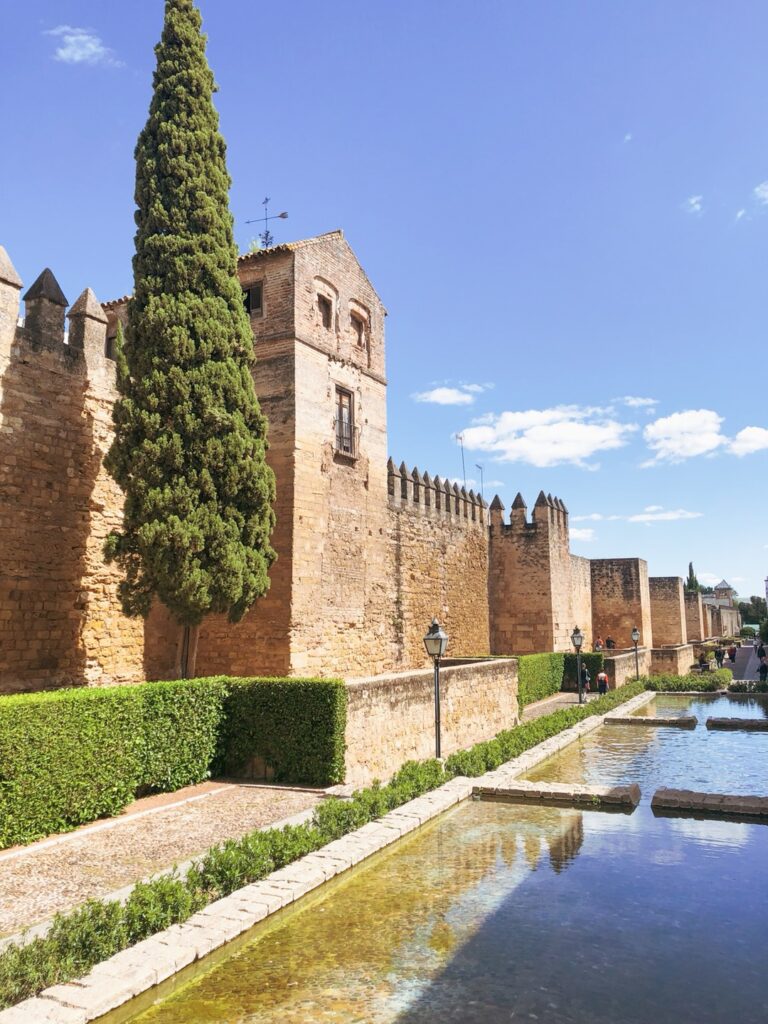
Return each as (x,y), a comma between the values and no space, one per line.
(564,207)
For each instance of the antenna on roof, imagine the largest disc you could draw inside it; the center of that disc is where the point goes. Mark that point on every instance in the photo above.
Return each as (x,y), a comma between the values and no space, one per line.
(266,237)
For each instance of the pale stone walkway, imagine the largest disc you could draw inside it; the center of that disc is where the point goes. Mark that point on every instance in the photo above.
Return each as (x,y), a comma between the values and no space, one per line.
(60,873)
(550,704)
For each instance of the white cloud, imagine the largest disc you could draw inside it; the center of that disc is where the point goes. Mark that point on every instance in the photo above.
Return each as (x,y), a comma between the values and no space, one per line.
(709,579)
(748,440)
(471,482)
(82,46)
(740,214)
(650,514)
(638,403)
(683,435)
(628,137)
(586,533)
(654,514)
(694,204)
(760,192)
(445,396)
(549,437)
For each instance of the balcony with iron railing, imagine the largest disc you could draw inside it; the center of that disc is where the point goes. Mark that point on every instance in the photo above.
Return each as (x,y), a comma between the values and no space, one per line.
(347,439)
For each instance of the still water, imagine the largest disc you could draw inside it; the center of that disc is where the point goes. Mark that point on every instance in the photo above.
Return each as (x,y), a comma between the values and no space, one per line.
(499,912)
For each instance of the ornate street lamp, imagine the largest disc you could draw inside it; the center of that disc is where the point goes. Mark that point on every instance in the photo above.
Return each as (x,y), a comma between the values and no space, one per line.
(577,639)
(635,638)
(436,643)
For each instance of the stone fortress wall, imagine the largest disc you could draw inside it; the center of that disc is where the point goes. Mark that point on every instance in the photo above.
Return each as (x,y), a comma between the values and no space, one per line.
(368,551)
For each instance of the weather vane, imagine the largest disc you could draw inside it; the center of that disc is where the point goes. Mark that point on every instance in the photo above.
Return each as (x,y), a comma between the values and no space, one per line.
(266,237)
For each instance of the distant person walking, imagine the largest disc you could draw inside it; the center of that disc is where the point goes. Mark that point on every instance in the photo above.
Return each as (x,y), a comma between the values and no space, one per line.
(761,651)
(719,656)
(763,669)
(585,679)
(610,643)
(602,682)
(598,643)
(732,653)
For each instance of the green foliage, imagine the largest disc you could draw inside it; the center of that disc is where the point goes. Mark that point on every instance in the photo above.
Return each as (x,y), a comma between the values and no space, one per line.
(66,757)
(190,438)
(748,686)
(70,756)
(538,676)
(708,682)
(97,930)
(182,722)
(764,630)
(754,610)
(296,725)
(594,660)
(692,584)
(748,631)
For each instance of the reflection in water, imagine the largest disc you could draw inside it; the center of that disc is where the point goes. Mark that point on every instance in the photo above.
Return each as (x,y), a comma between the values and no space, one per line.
(371,947)
(628,920)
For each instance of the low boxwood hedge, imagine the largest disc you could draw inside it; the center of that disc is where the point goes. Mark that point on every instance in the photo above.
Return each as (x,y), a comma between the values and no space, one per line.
(70,756)
(538,676)
(703,682)
(98,929)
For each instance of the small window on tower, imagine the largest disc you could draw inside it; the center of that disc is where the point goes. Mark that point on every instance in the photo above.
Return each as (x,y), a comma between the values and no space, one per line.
(325,306)
(345,423)
(109,348)
(358,329)
(252,300)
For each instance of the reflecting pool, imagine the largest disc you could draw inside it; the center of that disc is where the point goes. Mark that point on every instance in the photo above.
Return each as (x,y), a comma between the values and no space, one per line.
(500,912)
(713,762)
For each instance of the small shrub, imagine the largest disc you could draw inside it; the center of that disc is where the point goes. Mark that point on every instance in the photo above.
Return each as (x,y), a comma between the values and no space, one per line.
(748,686)
(707,682)
(153,906)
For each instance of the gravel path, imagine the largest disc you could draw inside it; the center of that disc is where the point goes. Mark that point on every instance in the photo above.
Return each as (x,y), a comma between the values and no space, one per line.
(42,881)
(550,704)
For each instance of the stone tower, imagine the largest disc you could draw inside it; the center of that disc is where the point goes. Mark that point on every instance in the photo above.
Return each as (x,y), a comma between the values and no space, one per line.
(318,328)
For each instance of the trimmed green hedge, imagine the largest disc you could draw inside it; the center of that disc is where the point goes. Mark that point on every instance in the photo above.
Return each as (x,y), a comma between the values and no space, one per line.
(703,682)
(68,757)
(98,929)
(538,676)
(594,660)
(296,725)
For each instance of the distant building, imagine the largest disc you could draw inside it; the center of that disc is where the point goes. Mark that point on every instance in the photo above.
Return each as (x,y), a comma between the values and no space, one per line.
(723,618)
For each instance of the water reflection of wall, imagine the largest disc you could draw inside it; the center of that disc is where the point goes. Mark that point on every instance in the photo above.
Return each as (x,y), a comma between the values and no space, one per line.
(565,847)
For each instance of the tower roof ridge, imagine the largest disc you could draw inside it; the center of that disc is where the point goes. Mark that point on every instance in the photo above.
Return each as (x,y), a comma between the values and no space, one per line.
(86,304)
(8,272)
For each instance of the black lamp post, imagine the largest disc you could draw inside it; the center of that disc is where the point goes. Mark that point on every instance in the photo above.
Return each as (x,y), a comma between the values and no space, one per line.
(635,638)
(577,639)
(436,643)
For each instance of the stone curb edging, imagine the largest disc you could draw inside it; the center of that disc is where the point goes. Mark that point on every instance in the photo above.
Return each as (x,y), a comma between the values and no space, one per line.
(570,793)
(681,722)
(140,967)
(722,804)
(746,724)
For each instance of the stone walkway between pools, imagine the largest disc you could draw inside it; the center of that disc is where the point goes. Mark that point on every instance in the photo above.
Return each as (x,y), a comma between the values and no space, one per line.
(153,834)
(550,704)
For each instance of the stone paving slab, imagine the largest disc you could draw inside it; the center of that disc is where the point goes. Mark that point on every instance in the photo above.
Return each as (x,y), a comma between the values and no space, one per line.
(722,804)
(747,724)
(679,722)
(570,793)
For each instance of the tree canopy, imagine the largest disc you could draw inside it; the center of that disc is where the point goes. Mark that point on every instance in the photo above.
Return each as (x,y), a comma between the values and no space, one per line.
(190,441)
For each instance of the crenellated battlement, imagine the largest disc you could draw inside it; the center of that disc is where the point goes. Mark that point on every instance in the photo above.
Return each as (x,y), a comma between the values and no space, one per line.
(83,348)
(433,497)
(549,517)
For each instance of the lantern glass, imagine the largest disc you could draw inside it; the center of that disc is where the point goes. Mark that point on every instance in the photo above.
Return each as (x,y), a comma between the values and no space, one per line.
(635,635)
(577,638)
(436,640)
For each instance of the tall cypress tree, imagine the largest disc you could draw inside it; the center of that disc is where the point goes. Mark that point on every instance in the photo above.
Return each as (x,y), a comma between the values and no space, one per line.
(691,584)
(190,438)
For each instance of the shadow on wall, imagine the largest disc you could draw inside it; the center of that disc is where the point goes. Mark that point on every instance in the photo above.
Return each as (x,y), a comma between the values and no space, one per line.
(48,466)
